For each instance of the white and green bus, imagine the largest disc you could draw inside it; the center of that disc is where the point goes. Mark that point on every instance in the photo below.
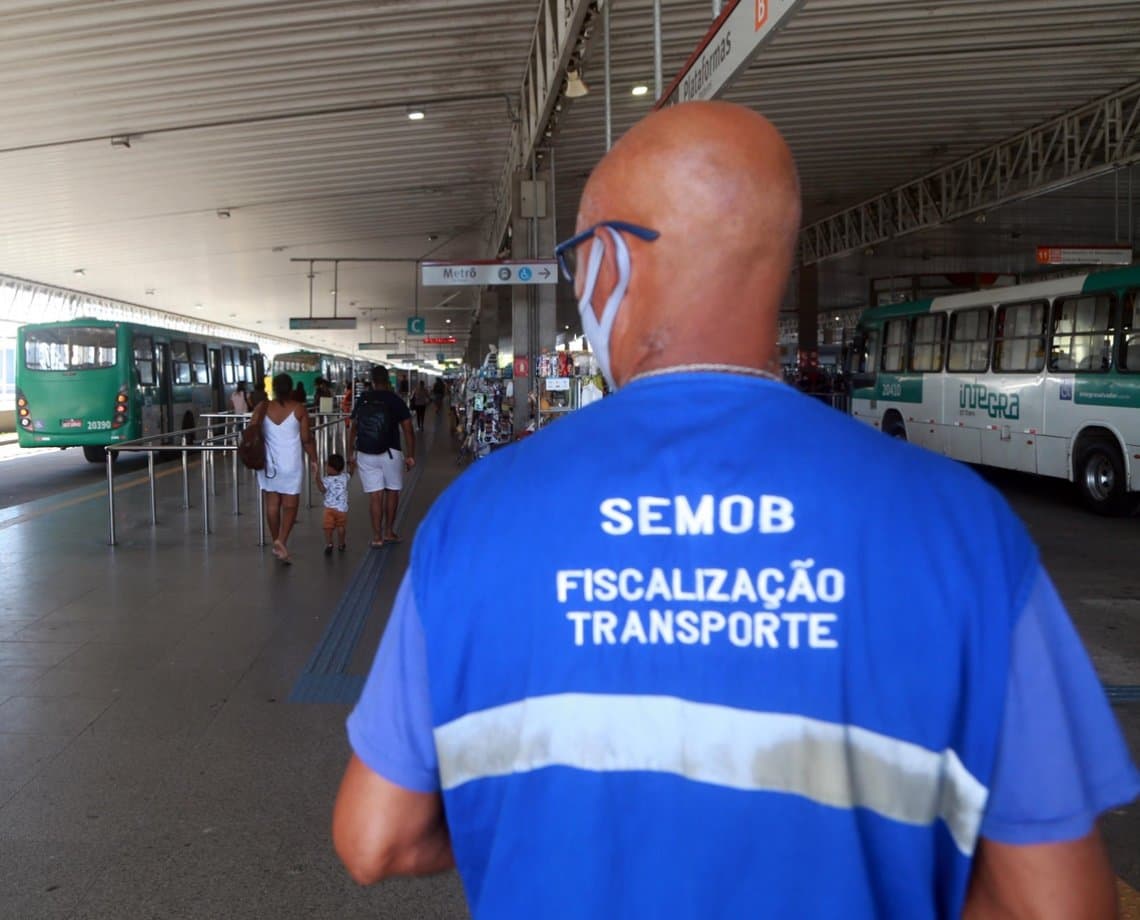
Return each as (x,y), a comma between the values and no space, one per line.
(1042,378)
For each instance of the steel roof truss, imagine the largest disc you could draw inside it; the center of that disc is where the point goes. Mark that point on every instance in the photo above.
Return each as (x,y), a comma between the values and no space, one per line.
(1096,138)
(553,46)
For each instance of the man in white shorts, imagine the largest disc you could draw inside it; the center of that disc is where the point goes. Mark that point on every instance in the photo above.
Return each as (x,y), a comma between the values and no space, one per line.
(374,438)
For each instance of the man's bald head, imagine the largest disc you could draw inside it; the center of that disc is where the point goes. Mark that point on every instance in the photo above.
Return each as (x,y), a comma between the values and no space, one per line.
(719,184)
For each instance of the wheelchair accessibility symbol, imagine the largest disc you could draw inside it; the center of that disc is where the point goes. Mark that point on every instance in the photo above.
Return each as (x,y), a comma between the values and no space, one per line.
(525,274)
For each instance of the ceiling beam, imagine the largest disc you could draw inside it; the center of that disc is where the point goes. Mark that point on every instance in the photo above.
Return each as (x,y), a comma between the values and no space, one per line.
(1096,138)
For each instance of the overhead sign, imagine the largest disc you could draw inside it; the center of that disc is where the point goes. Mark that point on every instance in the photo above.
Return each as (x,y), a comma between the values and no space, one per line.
(1084,255)
(439,340)
(401,356)
(322,322)
(479,274)
(440,356)
(728,48)
(375,346)
(417,325)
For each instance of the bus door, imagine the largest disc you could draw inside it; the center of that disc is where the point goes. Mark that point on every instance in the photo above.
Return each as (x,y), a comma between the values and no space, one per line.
(162,367)
(1010,401)
(216,378)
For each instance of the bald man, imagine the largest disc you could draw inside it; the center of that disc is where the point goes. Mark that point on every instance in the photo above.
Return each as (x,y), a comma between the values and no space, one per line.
(778,665)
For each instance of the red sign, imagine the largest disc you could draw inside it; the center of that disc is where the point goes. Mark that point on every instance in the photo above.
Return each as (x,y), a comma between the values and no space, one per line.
(522,367)
(1084,255)
(440,340)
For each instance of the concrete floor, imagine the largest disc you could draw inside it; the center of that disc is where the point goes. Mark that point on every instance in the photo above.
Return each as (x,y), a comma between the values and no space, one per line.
(150,762)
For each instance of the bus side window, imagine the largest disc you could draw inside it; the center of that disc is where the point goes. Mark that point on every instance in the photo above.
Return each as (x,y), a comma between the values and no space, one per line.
(928,337)
(1019,337)
(894,346)
(1082,334)
(228,364)
(969,350)
(201,365)
(143,349)
(1130,332)
(180,356)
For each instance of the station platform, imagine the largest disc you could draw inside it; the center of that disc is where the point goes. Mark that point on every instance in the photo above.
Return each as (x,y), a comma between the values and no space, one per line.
(172,708)
(152,763)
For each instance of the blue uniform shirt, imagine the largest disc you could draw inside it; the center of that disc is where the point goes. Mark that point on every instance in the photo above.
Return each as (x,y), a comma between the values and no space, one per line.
(768,676)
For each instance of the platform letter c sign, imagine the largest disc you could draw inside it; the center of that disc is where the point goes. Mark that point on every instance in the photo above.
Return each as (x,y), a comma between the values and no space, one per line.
(761,14)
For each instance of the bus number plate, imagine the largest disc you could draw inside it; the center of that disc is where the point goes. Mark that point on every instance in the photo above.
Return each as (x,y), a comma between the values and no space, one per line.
(71,423)
(101,425)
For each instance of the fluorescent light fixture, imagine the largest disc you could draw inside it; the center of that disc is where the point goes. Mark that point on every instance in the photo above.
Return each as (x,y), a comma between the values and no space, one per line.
(121,140)
(223,213)
(416,114)
(575,86)
(640,90)
(82,271)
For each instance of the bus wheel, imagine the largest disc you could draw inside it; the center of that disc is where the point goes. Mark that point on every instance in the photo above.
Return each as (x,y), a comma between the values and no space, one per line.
(1099,477)
(95,454)
(894,427)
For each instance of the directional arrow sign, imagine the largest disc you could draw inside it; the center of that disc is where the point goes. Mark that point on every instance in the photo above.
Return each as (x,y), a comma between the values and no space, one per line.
(480,274)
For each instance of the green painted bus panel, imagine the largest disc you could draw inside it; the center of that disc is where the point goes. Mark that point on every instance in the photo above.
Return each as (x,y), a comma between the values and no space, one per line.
(1112,279)
(876,316)
(76,407)
(905,388)
(1104,390)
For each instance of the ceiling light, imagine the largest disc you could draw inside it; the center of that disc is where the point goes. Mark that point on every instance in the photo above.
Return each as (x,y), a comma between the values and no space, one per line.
(416,114)
(448,321)
(223,213)
(150,291)
(80,271)
(333,291)
(197,306)
(640,90)
(575,86)
(121,140)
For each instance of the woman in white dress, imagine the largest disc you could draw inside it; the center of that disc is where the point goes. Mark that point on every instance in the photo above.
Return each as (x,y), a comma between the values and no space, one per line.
(285,427)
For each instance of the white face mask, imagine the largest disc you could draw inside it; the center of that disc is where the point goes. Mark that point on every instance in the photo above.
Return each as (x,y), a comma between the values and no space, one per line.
(598,331)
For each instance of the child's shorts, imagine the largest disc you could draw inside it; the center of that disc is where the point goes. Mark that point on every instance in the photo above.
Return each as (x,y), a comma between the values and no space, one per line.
(334,518)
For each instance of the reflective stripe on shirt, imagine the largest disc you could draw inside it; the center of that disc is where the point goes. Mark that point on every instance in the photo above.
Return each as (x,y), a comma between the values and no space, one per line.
(843,766)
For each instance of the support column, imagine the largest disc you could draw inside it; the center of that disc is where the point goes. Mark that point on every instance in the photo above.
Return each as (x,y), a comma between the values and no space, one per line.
(533,315)
(807,313)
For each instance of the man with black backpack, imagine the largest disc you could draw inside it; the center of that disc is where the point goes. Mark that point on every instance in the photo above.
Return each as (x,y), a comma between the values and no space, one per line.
(374,439)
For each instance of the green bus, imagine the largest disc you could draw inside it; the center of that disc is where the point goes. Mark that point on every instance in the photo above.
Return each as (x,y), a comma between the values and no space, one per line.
(91,383)
(306,366)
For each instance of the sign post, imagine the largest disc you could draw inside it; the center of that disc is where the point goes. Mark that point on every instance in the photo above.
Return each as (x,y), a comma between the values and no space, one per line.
(481,274)
(727,49)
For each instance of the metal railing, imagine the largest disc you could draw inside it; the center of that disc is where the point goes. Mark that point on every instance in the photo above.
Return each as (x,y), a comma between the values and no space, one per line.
(220,434)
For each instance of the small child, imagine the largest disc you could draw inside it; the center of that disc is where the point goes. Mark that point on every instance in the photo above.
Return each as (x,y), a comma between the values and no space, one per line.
(334,487)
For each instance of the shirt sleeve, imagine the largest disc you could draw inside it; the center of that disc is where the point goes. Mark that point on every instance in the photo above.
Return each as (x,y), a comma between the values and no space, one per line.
(1061,758)
(390,729)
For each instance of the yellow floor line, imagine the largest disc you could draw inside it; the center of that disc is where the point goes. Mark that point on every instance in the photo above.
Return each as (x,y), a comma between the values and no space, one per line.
(79,500)
(1129,900)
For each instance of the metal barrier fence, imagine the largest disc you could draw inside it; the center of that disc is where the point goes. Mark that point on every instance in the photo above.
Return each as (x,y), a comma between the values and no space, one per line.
(222,434)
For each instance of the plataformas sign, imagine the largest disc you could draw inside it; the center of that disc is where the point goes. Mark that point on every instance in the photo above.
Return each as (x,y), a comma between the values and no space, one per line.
(728,48)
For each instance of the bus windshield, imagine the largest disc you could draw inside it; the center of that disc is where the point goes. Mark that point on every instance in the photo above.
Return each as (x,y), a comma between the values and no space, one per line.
(69,348)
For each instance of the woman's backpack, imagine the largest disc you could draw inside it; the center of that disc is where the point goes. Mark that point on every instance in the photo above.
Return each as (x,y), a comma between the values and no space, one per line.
(251,447)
